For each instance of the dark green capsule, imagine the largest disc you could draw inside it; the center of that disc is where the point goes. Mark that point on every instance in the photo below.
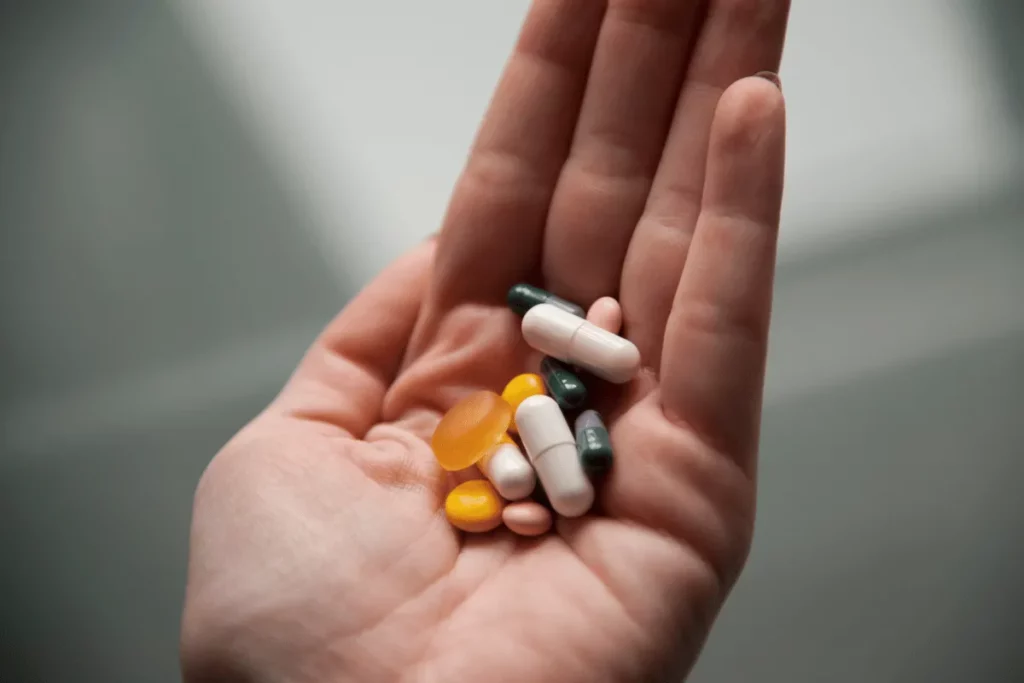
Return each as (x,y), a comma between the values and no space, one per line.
(593,443)
(562,384)
(523,297)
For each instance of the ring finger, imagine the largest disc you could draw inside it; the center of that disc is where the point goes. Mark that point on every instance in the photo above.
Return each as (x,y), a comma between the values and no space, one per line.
(739,38)
(634,81)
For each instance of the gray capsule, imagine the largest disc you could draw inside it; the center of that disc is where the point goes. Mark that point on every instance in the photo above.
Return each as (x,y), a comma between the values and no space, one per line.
(593,444)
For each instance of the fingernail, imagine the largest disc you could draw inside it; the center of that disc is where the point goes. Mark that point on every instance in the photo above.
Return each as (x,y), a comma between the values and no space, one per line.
(770,76)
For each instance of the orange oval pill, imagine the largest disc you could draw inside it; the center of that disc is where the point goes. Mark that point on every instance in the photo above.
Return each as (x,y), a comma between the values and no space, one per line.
(527,518)
(474,506)
(520,388)
(470,429)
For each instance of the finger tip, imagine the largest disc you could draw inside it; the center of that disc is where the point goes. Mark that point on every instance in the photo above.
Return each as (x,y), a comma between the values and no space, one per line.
(771,77)
(753,95)
(606,313)
(748,109)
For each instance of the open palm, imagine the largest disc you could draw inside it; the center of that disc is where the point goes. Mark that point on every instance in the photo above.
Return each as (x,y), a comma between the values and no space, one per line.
(623,144)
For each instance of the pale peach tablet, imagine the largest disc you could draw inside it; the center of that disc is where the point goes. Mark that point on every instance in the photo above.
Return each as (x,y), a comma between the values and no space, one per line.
(527,518)
(606,313)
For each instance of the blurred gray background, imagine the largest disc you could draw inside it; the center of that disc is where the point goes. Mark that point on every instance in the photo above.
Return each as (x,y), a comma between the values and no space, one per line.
(190,189)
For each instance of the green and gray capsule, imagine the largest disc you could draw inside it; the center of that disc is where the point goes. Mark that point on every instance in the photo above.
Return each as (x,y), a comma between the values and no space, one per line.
(563,385)
(593,443)
(523,297)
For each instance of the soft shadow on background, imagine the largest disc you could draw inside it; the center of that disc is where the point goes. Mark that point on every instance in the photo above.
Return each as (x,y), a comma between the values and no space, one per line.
(157,285)
(179,217)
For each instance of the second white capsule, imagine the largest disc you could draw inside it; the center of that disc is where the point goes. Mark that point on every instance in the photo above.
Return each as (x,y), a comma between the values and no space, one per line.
(507,468)
(562,335)
(552,449)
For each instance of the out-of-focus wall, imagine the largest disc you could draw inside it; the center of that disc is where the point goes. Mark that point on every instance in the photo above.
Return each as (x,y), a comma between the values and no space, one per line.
(156,285)
(895,108)
(189,189)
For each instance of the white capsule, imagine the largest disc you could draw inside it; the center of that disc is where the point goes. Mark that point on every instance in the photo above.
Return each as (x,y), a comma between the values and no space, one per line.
(552,449)
(564,336)
(507,468)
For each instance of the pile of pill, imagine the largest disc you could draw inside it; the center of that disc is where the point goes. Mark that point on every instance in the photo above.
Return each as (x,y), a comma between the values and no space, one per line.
(481,429)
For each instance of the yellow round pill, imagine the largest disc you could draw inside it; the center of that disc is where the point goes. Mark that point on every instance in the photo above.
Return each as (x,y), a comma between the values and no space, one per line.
(521,388)
(474,506)
(470,429)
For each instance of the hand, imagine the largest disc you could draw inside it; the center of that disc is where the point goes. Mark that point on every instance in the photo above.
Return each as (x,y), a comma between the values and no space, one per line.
(320,551)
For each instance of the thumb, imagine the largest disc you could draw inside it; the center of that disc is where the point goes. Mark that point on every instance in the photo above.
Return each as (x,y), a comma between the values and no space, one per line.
(343,377)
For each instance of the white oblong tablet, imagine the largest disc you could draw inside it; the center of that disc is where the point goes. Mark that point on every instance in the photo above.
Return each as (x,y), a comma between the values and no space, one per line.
(606,355)
(564,336)
(507,468)
(550,444)
(547,330)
